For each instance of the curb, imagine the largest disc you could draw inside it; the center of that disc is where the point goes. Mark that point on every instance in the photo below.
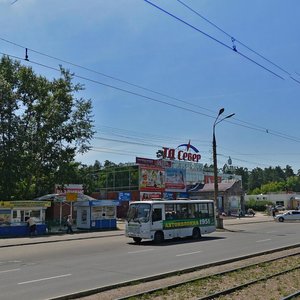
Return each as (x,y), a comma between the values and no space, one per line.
(67,239)
(94,291)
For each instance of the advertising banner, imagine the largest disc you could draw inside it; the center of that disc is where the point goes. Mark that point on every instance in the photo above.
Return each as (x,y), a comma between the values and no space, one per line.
(69,192)
(144,196)
(211,179)
(69,188)
(5,217)
(194,171)
(151,179)
(171,224)
(175,180)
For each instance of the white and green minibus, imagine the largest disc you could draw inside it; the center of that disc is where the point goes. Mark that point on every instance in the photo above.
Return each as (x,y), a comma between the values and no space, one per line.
(167,219)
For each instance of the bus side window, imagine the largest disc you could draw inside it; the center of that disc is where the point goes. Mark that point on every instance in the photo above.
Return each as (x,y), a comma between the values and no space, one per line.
(156,215)
(211,209)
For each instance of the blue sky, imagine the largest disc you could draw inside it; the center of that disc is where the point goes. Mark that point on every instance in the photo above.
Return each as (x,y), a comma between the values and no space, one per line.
(134,42)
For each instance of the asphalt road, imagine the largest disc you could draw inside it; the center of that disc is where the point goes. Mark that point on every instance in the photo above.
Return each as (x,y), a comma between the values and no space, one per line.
(45,271)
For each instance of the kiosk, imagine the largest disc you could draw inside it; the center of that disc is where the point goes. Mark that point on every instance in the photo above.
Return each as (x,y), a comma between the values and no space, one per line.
(96,214)
(13,216)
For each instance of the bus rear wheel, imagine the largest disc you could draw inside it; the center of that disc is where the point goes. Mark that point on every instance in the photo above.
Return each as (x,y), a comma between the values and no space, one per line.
(158,237)
(137,239)
(196,233)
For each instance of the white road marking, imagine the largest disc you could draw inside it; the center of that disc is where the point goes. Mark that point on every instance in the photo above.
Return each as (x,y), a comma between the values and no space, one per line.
(191,253)
(10,261)
(263,240)
(11,270)
(140,251)
(43,279)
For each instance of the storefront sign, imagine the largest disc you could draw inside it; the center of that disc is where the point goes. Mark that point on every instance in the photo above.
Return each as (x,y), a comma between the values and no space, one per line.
(180,154)
(153,162)
(124,196)
(16,204)
(5,204)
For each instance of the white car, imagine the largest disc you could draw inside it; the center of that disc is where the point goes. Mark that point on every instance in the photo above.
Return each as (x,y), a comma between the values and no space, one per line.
(292,215)
(280,207)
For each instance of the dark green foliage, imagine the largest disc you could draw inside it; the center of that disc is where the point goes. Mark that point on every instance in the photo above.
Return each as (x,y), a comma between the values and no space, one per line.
(42,127)
(257,205)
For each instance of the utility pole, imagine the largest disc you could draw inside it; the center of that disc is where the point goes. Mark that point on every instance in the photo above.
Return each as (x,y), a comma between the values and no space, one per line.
(216,187)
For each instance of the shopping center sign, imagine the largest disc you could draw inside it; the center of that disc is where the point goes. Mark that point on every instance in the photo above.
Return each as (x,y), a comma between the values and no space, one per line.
(181,154)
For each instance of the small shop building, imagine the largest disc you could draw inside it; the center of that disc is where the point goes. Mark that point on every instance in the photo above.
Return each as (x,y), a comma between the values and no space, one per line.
(230,196)
(96,214)
(13,216)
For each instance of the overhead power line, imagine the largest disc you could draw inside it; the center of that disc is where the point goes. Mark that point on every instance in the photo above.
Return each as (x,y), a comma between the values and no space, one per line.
(233,39)
(156,100)
(104,75)
(214,39)
(246,124)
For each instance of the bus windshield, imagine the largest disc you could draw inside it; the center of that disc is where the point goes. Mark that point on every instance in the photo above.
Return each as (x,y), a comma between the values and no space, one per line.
(139,213)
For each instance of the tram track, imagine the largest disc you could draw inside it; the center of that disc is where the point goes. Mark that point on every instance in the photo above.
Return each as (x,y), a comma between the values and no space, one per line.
(185,290)
(162,283)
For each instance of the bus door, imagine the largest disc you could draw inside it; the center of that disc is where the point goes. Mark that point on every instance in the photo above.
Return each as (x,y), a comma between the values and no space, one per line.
(157,217)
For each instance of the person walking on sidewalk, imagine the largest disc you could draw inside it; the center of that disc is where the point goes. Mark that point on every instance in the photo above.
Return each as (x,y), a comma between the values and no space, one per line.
(32,226)
(69,224)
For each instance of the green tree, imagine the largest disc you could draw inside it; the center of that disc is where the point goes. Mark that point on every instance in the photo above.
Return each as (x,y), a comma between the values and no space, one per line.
(272,187)
(288,171)
(245,176)
(43,126)
(255,179)
(293,184)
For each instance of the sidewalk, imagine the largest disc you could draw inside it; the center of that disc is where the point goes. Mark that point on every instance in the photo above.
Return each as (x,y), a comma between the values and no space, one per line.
(259,217)
(57,235)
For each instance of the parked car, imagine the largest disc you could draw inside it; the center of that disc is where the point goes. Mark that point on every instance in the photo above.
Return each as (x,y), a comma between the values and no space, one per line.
(292,215)
(280,207)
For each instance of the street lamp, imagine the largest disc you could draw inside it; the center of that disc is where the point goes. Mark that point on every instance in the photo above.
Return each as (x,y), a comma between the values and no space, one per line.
(216,189)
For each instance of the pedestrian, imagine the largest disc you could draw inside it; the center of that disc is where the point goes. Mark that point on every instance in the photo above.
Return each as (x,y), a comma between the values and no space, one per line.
(273,212)
(69,224)
(32,226)
(239,213)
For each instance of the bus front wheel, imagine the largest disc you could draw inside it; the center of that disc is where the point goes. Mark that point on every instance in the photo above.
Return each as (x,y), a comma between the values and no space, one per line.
(158,237)
(137,239)
(196,233)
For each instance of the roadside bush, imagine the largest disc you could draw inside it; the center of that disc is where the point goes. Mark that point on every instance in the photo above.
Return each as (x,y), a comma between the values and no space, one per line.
(257,205)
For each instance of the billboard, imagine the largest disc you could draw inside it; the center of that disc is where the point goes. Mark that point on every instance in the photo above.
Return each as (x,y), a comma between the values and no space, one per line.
(69,192)
(151,179)
(175,180)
